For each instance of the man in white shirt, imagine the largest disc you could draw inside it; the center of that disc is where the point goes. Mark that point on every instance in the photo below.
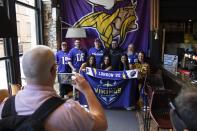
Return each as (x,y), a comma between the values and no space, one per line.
(40,71)
(183,111)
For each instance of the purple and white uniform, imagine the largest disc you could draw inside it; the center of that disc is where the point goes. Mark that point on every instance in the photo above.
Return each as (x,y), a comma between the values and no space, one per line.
(62,62)
(98,53)
(132,58)
(78,57)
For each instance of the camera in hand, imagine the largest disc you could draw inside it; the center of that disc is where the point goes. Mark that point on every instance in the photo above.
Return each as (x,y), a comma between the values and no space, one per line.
(66,78)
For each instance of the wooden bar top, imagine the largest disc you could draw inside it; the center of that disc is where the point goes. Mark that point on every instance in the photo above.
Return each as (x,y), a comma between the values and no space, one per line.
(176,81)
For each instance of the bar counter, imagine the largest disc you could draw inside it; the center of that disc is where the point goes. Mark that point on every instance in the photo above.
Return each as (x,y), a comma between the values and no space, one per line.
(176,81)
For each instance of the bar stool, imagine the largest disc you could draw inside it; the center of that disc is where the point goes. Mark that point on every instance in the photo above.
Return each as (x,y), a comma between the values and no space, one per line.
(159,108)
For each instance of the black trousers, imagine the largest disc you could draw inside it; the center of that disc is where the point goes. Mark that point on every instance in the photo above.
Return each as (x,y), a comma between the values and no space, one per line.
(64,89)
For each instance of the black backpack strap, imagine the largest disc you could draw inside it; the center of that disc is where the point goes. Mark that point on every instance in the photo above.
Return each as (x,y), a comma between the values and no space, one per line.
(46,108)
(9,107)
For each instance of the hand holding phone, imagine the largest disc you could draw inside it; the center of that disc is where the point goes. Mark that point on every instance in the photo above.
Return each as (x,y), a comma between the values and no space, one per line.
(81,84)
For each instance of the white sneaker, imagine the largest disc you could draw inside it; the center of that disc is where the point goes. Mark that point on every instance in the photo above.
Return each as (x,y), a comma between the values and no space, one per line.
(130,108)
(145,108)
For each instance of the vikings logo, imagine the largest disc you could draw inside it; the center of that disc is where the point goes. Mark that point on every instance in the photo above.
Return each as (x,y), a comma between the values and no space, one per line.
(108,91)
(110,26)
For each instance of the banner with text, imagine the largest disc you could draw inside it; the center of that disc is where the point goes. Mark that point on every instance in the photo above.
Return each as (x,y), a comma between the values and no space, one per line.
(112,88)
(115,75)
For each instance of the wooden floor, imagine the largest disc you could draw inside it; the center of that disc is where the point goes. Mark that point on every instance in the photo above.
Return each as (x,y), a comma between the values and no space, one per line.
(153,126)
(122,120)
(140,116)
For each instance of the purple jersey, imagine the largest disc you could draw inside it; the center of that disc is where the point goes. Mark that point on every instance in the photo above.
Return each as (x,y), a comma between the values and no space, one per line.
(78,57)
(132,58)
(98,53)
(62,62)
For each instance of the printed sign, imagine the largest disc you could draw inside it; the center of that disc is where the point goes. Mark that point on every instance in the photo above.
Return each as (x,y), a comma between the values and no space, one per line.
(112,88)
(170,62)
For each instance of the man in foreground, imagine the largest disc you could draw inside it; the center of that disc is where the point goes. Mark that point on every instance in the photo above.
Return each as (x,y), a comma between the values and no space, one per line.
(39,68)
(183,111)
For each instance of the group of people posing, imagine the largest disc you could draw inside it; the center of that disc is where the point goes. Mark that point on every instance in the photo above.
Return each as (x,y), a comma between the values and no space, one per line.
(18,112)
(97,57)
(112,59)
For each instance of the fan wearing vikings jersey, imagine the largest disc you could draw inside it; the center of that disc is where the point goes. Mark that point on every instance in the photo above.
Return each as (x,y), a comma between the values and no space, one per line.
(77,57)
(132,56)
(63,67)
(98,52)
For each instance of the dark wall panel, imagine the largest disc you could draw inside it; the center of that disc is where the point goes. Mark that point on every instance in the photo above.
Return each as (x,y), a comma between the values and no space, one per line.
(6,26)
(178,10)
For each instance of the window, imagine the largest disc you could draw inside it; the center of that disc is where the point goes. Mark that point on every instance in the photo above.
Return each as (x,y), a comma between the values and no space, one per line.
(28,26)
(18,28)
(26,22)
(22,74)
(2,54)
(3,76)
(29,2)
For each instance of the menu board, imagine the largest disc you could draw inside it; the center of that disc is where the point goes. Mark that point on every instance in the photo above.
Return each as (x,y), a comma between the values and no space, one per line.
(170,62)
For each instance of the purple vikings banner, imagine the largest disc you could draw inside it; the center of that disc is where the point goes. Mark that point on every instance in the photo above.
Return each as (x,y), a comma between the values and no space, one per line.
(112,88)
(124,20)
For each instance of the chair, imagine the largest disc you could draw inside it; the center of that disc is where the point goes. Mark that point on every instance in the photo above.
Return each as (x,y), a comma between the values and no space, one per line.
(3,94)
(154,82)
(159,108)
(15,88)
(148,90)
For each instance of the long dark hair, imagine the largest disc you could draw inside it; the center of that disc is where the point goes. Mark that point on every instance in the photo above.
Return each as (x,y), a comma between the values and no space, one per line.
(122,66)
(104,66)
(142,52)
(94,64)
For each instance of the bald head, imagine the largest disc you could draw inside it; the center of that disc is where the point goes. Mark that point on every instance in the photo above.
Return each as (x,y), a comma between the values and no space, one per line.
(38,63)
(131,48)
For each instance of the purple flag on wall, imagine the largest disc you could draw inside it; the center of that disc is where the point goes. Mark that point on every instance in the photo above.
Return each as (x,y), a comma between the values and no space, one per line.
(127,21)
